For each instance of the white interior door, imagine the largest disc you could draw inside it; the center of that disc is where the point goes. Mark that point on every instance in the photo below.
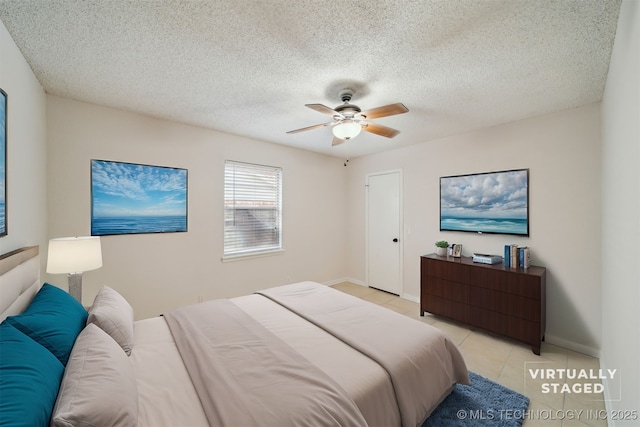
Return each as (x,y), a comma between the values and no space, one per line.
(383,231)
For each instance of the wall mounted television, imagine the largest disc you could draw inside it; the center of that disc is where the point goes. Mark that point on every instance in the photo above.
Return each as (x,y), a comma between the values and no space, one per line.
(488,202)
(129,198)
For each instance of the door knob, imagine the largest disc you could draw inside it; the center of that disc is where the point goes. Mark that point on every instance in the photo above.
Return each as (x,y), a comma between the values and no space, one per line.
(395,240)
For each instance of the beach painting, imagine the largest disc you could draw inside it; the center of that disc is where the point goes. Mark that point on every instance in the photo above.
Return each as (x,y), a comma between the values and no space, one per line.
(491,202)
(3,163)
(128,198)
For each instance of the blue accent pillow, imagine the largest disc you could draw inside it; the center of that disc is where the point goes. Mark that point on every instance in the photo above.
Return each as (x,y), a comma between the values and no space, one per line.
(29,382)
(53,319)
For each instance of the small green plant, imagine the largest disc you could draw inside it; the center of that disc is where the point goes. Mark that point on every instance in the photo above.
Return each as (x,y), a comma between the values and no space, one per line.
(442,244)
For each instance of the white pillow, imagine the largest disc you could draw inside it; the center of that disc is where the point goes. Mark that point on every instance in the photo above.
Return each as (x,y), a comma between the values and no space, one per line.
(113,314)
(99,386)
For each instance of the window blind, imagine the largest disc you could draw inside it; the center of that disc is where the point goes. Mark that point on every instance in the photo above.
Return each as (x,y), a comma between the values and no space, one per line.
(252,208)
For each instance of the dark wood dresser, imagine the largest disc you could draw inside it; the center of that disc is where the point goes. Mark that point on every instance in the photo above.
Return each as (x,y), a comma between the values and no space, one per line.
(506,301)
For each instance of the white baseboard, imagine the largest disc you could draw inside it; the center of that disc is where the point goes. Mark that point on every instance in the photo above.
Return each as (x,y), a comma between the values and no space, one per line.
(570,345)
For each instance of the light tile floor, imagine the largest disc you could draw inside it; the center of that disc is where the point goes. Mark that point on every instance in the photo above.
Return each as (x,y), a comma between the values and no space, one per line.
(509,363)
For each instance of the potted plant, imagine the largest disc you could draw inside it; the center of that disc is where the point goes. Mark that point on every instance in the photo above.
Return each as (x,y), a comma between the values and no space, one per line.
(441,247)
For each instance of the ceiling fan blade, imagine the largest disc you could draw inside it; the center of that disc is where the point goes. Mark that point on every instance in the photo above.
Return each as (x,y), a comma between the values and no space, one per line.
(387,110)
(380,130)
(321,109)
(310,127)
(337,141)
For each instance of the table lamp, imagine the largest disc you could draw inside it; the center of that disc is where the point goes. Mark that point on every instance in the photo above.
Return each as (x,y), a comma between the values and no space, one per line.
(74,255)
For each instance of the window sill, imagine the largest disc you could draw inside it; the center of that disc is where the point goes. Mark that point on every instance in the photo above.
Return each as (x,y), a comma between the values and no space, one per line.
(238,257)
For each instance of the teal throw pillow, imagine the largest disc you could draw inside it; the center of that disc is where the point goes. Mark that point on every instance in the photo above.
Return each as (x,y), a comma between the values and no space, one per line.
(53,319)
(29,380)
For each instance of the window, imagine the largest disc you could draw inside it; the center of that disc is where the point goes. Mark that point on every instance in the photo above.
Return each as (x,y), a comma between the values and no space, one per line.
(252,209)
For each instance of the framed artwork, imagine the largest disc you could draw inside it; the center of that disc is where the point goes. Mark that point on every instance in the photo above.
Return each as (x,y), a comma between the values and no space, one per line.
(457,250)
(3,163)
(129,198)
(489,202)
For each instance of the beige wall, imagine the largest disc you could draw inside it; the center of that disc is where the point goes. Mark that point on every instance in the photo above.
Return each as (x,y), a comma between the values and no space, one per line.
(26,150)
(621,216)
(158,271)
(562,152)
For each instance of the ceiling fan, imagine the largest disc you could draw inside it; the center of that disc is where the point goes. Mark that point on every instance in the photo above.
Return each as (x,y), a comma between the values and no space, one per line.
(349,119)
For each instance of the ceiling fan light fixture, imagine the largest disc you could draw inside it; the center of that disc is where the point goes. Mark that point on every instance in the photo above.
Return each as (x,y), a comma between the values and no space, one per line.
(347,130)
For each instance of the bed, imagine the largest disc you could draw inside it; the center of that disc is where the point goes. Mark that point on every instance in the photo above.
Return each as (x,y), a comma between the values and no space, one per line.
(299,354)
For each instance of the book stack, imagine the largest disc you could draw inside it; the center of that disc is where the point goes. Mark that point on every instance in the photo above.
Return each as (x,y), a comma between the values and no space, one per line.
(516,256)
(487,259)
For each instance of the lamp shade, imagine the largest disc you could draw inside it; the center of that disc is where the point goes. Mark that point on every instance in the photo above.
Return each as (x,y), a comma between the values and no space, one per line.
(74,254)
(347,130)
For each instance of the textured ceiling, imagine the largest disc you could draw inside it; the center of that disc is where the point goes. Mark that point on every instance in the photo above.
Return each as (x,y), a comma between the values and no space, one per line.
(247,67)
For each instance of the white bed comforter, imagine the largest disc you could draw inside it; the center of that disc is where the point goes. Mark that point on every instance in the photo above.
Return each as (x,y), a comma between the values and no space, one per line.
(167,395)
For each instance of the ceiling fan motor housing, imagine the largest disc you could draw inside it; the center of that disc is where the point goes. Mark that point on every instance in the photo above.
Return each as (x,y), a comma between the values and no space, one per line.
(348,110)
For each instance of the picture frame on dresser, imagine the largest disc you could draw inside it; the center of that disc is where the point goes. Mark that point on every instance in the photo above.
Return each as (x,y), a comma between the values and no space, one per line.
(3,163)
(457,250)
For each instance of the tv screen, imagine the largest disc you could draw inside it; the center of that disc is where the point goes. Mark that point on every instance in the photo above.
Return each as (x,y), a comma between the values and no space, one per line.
(488,202)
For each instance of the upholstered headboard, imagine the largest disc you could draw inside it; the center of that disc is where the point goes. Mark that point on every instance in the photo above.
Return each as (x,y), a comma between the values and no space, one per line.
(19,280)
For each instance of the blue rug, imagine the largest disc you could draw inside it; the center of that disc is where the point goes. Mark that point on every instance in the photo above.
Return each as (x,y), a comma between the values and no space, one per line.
(482,403)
